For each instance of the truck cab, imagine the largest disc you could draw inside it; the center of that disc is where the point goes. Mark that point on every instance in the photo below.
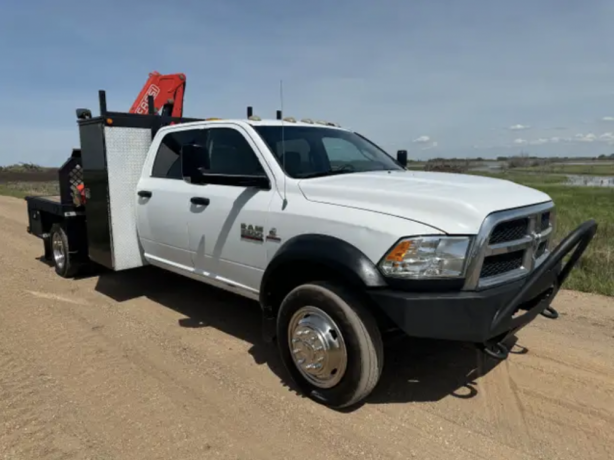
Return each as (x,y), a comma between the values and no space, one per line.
(337,241)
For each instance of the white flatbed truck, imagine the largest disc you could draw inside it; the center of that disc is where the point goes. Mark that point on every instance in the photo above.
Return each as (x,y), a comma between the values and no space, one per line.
(334,238)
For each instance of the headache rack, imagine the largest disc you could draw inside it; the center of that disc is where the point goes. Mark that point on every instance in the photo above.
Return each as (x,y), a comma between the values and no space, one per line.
(98,185)
(114,146)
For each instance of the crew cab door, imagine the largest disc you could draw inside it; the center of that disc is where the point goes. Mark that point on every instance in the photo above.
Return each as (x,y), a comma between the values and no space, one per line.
(222,246)
(163,203)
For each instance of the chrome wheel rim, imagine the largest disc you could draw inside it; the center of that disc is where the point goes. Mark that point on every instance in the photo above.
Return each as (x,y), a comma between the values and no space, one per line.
(59,257)
(317,347)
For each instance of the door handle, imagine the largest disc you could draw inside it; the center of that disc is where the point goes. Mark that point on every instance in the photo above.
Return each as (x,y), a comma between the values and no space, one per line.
(144,193)
(200,200)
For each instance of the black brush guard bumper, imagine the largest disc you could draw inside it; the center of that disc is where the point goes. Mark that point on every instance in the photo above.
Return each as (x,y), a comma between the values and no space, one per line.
(489,317)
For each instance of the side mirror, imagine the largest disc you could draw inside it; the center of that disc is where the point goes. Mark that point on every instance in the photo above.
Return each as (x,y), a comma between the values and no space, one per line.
(194,163)
(402,157)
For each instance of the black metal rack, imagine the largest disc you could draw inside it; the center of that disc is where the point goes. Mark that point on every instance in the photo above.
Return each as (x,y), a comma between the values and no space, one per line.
(93,158)
(150,120)
(70,175)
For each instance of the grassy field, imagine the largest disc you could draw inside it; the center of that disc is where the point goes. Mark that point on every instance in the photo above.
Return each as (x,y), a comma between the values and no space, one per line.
(21,189)
(594,273)
(588,169)
(525,178)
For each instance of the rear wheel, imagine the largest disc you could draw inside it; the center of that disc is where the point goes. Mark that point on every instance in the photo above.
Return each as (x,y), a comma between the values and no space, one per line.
(330,344)
(60,252)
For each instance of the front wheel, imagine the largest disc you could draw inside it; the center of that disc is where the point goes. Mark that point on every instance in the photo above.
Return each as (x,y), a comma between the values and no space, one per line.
(330,344)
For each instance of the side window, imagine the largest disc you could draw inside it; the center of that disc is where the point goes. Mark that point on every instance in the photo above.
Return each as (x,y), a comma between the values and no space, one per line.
(230,153)
(167,164)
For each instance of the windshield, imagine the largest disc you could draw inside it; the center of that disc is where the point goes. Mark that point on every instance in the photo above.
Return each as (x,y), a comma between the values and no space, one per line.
(314,151)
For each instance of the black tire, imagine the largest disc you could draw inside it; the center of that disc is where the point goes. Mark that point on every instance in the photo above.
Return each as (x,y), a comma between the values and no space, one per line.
(65,267)
(360,335)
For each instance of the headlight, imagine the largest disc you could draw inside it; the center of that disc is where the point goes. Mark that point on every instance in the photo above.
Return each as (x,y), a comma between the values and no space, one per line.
(427,257)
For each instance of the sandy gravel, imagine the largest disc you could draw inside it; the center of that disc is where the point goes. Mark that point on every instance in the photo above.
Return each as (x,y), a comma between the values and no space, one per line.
(148,365)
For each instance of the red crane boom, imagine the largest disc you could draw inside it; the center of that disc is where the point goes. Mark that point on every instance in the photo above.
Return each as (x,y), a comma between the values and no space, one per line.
(167,91)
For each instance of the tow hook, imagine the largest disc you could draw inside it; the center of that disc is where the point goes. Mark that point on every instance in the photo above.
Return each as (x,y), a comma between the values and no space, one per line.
(550,313)
(495,350)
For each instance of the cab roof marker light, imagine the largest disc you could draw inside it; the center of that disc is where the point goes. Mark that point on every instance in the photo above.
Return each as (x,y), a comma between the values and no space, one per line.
(290,119)
(255,118)
(307,120)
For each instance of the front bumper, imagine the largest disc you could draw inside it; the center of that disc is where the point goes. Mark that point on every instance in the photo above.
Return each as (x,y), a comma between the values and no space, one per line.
(491,315)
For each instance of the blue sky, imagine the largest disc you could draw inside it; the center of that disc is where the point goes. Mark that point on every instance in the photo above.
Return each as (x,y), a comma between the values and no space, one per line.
(439,78)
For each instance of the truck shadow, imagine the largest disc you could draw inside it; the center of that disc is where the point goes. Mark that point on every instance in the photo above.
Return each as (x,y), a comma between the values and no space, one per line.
(416,370)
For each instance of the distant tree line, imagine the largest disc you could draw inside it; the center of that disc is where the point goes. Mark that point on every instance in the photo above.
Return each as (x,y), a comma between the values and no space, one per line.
(24,167)
(523,160)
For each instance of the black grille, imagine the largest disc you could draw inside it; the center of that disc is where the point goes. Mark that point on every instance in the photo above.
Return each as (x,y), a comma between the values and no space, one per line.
(502,263)
(509,231)
(545,221)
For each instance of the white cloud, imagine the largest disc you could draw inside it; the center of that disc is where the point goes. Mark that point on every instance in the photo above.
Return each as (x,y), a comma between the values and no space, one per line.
(607,137)
(590,137)
(425,142)
(607,119)
(540,141)
(578,138)
(519,127)
(422,140)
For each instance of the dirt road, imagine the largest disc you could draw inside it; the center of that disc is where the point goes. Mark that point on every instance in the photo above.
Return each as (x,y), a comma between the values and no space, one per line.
(148,365)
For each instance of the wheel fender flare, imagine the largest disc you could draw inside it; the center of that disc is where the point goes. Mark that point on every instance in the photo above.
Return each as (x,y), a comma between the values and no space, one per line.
(346,259)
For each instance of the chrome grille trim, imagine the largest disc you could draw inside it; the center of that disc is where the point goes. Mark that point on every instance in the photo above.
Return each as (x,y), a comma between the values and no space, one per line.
(528,243)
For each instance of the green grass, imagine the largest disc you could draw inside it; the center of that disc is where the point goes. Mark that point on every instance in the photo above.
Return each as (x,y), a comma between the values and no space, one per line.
(22,189)
(524,178)
(594,169)
(595,270)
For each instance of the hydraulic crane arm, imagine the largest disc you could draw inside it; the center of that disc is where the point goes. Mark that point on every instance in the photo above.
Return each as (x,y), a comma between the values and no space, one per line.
(167,91)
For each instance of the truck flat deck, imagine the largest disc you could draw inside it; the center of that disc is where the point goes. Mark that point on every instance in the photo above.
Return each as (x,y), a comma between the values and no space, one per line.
(51,204)
(53,198)
(45,210)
